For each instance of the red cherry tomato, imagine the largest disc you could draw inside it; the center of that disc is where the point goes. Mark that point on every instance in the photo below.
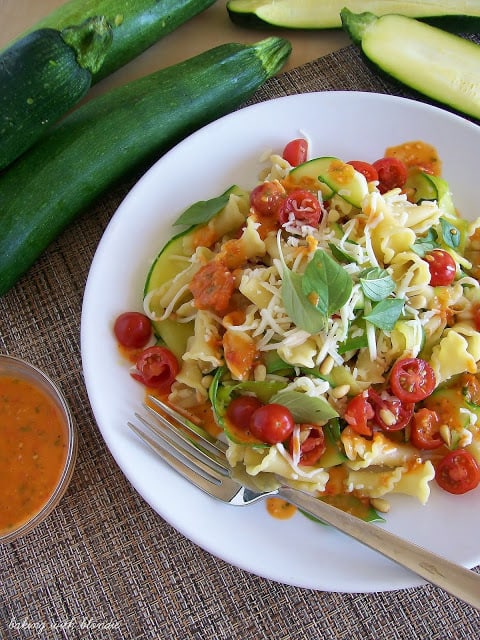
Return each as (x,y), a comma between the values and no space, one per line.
(312,444)
(391,414)
(412,379)
(303,205)
(366,168)
(266,198)
(442,268)
(358,413)
(424,430)
(132,329)
(391,172)
(240,410)
(272,423)
(156,367)
(458,472)
(295,152)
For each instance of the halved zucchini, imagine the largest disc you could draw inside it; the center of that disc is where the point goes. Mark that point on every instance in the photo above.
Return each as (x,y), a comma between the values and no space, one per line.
(308,175)
(442,66)
(166,266)
(452,15)
(348,183)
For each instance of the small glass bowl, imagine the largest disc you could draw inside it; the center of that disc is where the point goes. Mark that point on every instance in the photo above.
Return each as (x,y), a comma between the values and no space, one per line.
(11,366)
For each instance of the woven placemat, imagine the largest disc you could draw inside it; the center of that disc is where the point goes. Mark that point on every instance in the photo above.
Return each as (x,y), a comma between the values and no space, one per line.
(104,565)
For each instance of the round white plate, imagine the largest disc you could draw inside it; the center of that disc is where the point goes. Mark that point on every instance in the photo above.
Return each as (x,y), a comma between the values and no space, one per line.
(298,552)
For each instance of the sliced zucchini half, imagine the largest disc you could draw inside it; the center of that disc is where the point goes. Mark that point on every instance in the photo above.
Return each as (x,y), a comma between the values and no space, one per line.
(425,186)
(345,181)
(440,65)
(308,175)
(319,14)
(166,266)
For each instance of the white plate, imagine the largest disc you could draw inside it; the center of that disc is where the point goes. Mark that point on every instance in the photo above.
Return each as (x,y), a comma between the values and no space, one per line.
(298,552)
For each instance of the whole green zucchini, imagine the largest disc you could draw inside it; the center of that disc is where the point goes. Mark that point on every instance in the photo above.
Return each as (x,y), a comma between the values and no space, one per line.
(138,24)
(116,133)
(453,15)
(42,76)
(440,65)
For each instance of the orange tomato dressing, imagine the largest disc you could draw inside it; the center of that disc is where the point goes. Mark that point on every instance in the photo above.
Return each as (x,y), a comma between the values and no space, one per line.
(200,414)
(33,450)
(279,508)
(417,154)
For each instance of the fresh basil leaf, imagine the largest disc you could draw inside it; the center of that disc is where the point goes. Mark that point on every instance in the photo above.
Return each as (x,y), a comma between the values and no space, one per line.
(377,284)
(326,283)
(305,409)
(204,210)
(353,344)
(296,303)
(427,243)
(450,234)
(275,364)
(340,254)
(385,313)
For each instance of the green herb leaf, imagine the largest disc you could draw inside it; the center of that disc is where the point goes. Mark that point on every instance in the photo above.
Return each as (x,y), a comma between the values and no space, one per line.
(340,254)
(296,303)
(385,314)
(377,284)
(427,243)
(305,409)
(204,210)
(353,344)
(450,234)
(326,283)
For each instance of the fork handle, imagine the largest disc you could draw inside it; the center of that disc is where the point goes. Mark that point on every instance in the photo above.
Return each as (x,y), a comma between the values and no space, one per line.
(451,577)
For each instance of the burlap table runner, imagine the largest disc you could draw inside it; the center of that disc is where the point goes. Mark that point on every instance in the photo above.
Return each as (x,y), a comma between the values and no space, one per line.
(104,565)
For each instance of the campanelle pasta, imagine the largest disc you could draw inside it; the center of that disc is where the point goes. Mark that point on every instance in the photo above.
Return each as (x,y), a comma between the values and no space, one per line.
(315,315)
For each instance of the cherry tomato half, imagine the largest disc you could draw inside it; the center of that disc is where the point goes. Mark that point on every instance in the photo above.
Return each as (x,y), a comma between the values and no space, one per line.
(295,152)
(424,430)
(392,173)
(458,472)
(272,423)
(240,410)
(266,198)
(366,168)
(303,205)
(391,414)
(156,367)
(358,413)
(132,329)
(312,444)
(412,379)
(442,268)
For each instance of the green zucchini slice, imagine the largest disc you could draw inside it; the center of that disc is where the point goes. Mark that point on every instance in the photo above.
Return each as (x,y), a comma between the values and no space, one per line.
(440,65)
(453,15)
(165,267)
(308,173)
(343,180)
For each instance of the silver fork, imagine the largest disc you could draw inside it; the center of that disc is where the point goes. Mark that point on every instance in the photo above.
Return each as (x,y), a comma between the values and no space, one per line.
(201,459)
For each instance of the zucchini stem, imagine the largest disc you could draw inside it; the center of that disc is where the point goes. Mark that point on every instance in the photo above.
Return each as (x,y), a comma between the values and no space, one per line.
(90,40)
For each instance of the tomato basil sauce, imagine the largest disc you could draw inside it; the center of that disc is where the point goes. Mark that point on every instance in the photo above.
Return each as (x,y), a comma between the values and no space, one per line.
(33,450)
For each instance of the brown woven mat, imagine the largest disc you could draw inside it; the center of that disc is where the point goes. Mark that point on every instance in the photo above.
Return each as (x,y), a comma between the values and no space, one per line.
(104,565)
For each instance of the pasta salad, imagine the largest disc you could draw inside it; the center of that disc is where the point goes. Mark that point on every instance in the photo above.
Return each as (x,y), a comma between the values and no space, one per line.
(327,322)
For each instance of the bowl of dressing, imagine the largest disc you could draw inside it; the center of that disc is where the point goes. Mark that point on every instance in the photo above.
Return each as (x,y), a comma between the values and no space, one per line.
(38,447)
